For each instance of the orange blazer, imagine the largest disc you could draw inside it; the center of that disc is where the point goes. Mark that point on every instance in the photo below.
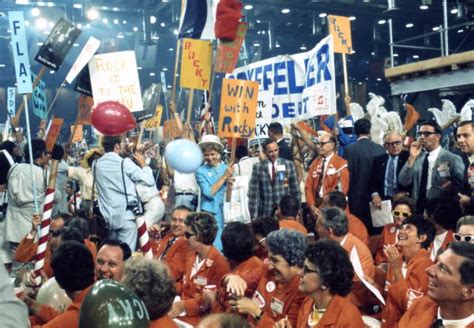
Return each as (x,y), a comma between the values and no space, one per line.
(251,271)
(360,295)
(422,313)
(163,322)
(341,313)
(210,273)
(70,317)
(447,240)
(401,294)
(357,228)
(330,180)
(389,237)
(175,257)
(293,225)
(277,301)
(27,248)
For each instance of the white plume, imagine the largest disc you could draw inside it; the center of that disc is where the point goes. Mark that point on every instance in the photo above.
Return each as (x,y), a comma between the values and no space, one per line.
(466,111)
(357,111)
(393,121)
(446,114)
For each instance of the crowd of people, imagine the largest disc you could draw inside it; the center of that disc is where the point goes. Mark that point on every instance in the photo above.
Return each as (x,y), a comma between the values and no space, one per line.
(279,235)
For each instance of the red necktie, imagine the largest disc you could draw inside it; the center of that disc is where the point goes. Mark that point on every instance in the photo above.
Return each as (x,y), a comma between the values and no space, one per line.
(273,172)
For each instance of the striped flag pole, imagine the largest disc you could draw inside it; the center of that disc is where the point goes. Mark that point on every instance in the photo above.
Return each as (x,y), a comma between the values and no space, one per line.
(145,245)
(45,222)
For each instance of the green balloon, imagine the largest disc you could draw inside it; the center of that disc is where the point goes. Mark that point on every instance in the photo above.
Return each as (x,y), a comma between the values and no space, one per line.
(110,305)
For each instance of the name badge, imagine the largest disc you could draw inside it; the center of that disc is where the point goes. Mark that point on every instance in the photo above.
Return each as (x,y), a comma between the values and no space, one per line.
(258,299)
(201,281)
(331,171)
(281,167)
(277,306)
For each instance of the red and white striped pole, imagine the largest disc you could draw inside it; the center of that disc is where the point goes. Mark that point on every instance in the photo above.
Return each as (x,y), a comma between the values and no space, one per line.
(144,238)
(45,222)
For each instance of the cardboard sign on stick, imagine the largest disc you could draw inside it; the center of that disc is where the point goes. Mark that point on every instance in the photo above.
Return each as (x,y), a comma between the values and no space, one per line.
(58,44)
(114,76)
(78,134)
(238,108)
(86,54)
(53,132)
(40,106)
(196,62)
(340,29)
(84,106)
(228,52)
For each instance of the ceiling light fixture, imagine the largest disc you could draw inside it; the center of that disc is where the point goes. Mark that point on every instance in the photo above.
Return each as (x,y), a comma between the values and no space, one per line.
(248,7)
(322,15)
(93,14)
(285,11)
(424,7)
(416,56)
(409,25)
(382,21)
(352,18)
(35,12)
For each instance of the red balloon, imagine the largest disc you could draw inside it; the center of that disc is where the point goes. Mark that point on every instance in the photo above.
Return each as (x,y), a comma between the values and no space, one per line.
(112,118)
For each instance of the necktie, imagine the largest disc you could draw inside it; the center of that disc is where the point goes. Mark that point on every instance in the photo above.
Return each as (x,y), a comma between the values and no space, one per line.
(321,178)
(273,172)
(391,176)
(423,183)
(168,246)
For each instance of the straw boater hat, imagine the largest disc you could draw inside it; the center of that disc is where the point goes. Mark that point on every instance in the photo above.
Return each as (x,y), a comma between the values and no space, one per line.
(211,139)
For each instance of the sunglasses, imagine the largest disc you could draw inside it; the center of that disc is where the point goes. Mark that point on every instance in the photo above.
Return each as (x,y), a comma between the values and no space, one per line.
(189,234)
(466,238)
(400,213)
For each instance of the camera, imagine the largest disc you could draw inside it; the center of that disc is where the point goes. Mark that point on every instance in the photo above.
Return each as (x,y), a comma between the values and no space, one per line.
(136,208)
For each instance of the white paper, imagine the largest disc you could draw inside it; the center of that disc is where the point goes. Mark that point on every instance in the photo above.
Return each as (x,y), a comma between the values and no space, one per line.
(177,298)
(182,324)
(381,217)
(355,260)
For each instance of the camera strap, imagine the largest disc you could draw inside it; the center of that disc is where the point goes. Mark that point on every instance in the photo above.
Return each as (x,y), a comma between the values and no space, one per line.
(125,188)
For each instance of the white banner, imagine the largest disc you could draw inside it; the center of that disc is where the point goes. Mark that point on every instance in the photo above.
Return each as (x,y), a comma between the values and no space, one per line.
(114,76)
(86,54)
(303,85)
(264,114)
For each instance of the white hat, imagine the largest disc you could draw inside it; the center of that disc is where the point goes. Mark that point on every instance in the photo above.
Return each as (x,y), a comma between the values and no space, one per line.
(211,139)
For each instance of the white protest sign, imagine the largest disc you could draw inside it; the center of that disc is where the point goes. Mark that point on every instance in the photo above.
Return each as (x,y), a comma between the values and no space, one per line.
(264,114)
(86,54)
(11,101)
(303,85)
(114,76)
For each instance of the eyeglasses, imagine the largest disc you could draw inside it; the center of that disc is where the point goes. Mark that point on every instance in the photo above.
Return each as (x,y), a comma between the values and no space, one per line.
(466,238)
(323,143)
(392,144)
(261,240)
(188,234)
(425,133)
(307,270)
(400,213)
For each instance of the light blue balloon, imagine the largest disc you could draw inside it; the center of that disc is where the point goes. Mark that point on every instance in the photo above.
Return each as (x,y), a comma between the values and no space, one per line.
(183,155)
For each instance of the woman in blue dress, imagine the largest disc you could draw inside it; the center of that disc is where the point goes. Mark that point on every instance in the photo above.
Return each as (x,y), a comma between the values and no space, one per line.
(212,179)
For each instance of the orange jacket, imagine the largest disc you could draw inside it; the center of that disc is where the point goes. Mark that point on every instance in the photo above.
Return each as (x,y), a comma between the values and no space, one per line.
(389,237)
(402,293)
(341,313)
(210,273)
(357,228)
(422,314)
(293,225)
(251,271)
(27,248)
(163,322)
(70,317)
(277,301)
(360,294)
(330,180)
(447,240)
(175,257)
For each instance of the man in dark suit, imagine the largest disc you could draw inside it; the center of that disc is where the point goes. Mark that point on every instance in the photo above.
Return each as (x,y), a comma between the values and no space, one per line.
(384,182)
(465,138)
(433,173)
(361,156)
(275,133)
(271,179)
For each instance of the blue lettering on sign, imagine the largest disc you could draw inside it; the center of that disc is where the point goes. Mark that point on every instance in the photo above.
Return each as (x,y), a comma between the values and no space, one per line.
(323,63)
(279,76)
(292,79)
(258,75)
(266,80)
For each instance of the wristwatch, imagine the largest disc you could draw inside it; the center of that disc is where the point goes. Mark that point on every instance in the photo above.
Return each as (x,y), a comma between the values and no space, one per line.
(16,129)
